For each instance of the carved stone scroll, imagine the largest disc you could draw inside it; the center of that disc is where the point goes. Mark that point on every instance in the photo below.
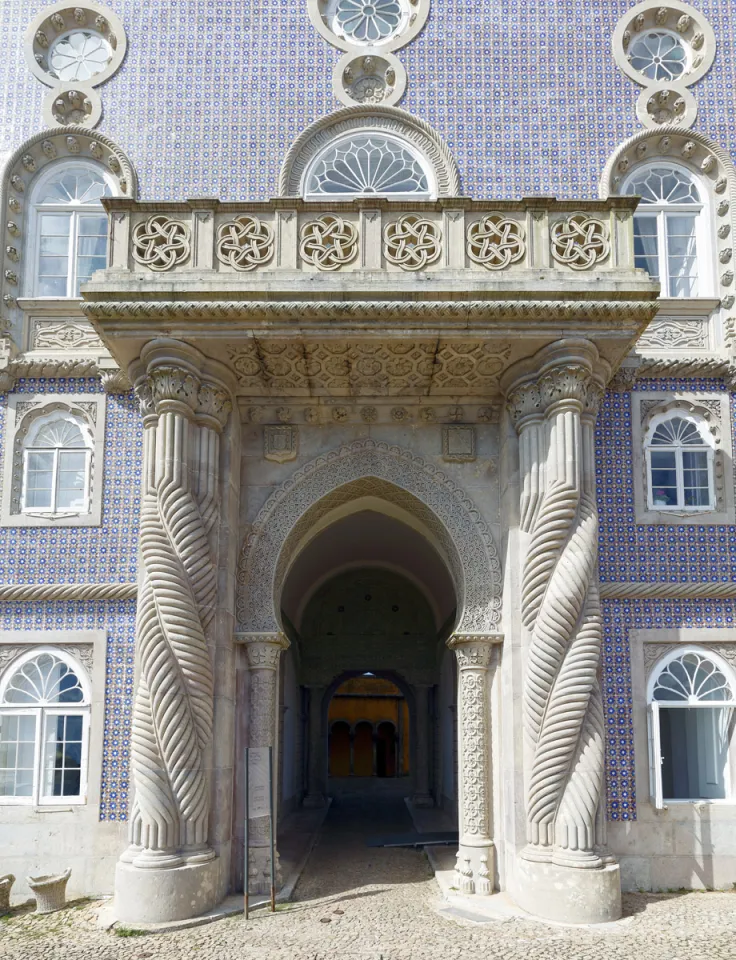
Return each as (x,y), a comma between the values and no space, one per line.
(554,410)
(476,852)
(264,654)
(183,416)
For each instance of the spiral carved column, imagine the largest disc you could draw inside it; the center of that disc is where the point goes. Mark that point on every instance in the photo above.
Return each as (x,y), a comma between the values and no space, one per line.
(184,413)
(264,656)
(475,868)
(554,410)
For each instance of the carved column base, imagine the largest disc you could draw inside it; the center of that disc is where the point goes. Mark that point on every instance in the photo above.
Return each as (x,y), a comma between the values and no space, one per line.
(568,894)
(475,867)
(259,870)
(164,895)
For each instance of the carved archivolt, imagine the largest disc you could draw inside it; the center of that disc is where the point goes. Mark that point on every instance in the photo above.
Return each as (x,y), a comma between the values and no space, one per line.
(21,170)
(367,468)
(713,168)
(379,118)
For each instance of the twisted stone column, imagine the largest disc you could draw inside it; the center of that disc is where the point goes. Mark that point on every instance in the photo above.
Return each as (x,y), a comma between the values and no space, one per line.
(184,413)
(475,867)
(554,408)
(264,655)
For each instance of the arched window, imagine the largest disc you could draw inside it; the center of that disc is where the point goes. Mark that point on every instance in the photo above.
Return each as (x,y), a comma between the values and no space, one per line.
(57,459)
(369,164)
(691,700)
(68,228)
(670,237)
(679,456)
(44,730)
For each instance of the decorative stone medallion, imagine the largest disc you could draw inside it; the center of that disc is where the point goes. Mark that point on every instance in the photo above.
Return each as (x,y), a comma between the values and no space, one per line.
(280,443)
(458,443)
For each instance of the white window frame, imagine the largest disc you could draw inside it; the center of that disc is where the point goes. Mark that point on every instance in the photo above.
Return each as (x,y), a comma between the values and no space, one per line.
(656,759)
(704,244)
(29,447)
(38,798)
(706,446)
(418,156)
(88,410)
(77,212)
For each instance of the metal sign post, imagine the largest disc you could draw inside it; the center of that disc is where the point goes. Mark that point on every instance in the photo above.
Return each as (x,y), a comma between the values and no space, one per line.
(246,871)
(273,841)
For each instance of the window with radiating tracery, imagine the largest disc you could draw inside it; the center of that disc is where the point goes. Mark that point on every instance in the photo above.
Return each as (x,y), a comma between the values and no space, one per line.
(68,228)
(57,456)
(680,463)
(44,730)
(368,164)
(691,724)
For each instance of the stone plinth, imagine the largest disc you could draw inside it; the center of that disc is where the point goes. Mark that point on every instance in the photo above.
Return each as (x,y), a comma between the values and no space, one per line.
(569,894)
(155,896)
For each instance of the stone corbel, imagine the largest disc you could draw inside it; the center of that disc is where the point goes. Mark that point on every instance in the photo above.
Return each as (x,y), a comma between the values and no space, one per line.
(475,868)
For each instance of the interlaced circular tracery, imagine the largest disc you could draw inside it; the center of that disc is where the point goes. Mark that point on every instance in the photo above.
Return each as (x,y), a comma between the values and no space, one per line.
(245,243)
(496,242)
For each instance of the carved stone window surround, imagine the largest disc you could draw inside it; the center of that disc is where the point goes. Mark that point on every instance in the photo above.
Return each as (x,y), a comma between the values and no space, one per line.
(56,20)
(648,647)
(714,408)
(21,171)
(89,648)
(22,411)
(715,173)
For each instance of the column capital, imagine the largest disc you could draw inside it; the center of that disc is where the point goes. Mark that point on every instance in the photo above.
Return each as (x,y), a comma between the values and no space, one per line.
(263,649)
(474,649)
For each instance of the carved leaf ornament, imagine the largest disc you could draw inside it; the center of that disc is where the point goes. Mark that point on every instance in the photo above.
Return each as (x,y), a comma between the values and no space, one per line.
(329,243)
(160,243)
(496,242)
(245,243)
(580,242)
(412,242)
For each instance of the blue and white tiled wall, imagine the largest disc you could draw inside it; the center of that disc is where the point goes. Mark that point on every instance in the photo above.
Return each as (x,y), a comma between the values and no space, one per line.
(105,554)
(646,554)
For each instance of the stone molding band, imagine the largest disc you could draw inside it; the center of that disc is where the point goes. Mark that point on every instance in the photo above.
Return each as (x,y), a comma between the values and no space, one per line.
(664,591)
(32,592)
(628,312)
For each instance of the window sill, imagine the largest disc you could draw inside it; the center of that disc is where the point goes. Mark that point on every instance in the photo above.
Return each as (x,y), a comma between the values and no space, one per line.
(687,306)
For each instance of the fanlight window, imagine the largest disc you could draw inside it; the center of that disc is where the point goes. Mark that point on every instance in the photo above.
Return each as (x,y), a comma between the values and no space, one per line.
(679,465)
(79,55)
(44,731)
(668,229)
(368,164)
(691,720)
(57,466)
(368,22)
(70,230)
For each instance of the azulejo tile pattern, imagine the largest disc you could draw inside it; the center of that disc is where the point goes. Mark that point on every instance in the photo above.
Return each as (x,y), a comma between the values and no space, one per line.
(213,92)
(647,554)
(104,554)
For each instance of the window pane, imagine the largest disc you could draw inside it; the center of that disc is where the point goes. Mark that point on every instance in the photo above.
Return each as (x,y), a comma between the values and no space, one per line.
(54,246)
(62,756)
(52,286)
(93,226)
(92,246)
(695,746)
(646,253)
(39,480)
(682,265)
(55,225)
(695,478)
(17,749)
(71,483)
(663,478)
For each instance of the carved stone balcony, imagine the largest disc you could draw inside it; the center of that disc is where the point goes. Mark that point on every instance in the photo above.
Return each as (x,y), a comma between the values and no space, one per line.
(460,288)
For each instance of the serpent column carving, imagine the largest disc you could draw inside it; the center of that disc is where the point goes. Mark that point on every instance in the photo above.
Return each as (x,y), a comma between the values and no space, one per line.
(554,411)
(184,413)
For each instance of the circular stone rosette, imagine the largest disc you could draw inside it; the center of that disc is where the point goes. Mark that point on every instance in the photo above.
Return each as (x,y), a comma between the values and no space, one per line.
(369,78)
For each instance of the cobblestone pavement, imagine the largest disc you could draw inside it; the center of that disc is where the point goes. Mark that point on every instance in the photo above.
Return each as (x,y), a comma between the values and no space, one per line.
(359,903)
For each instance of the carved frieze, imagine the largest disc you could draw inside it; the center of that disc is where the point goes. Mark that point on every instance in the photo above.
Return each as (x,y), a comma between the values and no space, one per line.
(63,335)
(670,333)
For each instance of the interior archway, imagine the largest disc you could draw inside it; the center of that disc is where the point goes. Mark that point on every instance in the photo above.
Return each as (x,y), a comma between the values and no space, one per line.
(368,603)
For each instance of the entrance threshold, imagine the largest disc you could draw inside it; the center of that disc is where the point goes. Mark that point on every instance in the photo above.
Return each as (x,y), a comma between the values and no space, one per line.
(445,839)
